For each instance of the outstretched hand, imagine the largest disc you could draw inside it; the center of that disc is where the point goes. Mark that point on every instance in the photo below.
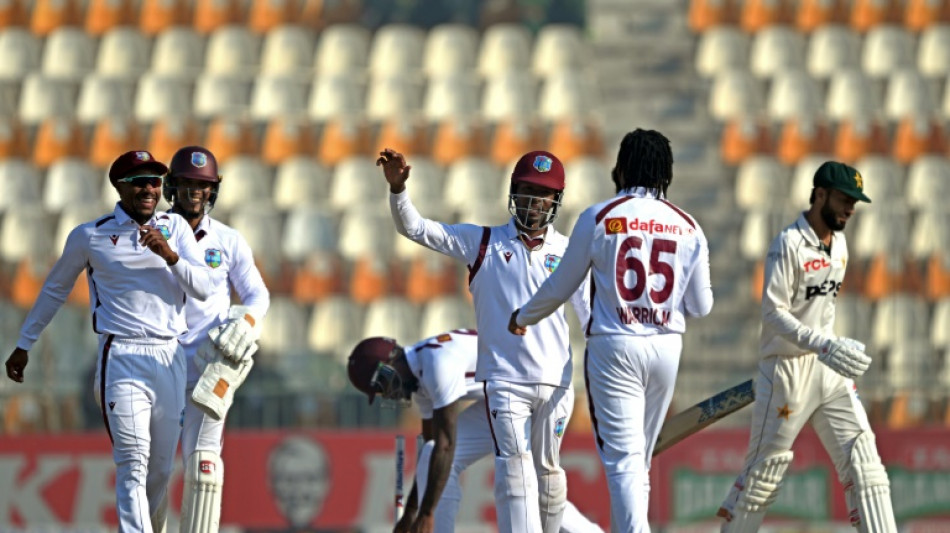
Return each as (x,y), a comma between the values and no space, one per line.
(395,169)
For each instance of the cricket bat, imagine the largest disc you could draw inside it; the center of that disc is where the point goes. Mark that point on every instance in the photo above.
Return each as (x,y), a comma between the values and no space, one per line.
(704,413)
(400,504)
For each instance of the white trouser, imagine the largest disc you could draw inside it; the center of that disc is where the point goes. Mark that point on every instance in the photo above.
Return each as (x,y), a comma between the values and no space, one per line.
(526,422)
(199,431)
(140,387)
(790,392)
(473,442)
(630,382)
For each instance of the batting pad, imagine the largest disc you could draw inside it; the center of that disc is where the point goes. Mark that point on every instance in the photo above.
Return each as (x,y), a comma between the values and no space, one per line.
(201,502)
(869,493)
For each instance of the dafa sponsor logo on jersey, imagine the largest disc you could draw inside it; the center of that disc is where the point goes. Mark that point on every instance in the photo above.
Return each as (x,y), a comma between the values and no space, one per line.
(618,225)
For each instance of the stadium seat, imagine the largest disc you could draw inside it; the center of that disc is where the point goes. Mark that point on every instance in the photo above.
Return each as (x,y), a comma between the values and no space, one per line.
(123,53)
(922,15)
(178,52)
(928,183)
(221,94)
(58,138)
(318,277)
(403,135)
(850,96)
(505,48)
(734,94)
(232,50)
(930,233)
(886,49)
(883,178)
(392,317)
(284,331)
(426,190)
(288,50)
(12,139)
(759,227)
(104,15)
(275,96)
(558,48)
(69,347)
(564,95)
(229,136)
(575,136)
(449,97)
(26,233)
(101,97)
(707,14)
(793,94)
(457,138)
(259,223)
(858,137)
(343,137)
(266,15)
(396,50)
(898,319)
(880,230)
(832,49)
(50,15)
(445,314)
(431,276)
(157,16)
(761,183)
(335,326)
(813,15)
(917,136)
(160,96)
(940,325)
(342,49)
(867,15)
(168,134)
(301,181)
(744,137)
(508,95)
(393,97)
(853,317)
(13,13)
(19,184)
(308,229)
(762,15)
(720,49)
(586,181)
(248,180)
(888,274)
(213,15)
(775,50)
(907,94)
(933,51)
(803,177)
(472,180)
(68,182)
(450,51)
(800,137)
(366,231)
(68,54)
(333,96)
(287,137)
(20,51)
(512,138)
(372,278)
(357,182)
(78,213)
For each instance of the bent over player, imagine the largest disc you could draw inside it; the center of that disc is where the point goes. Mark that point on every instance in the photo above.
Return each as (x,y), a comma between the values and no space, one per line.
(438,373)
(141,267)
(649,264)
(192,187)
(527,380)
(806,373)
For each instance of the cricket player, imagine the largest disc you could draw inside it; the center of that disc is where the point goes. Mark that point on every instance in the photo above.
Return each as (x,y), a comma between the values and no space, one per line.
(650,270)
(527,380)
(438,373)
(142,268)
(221,337)
(806,374)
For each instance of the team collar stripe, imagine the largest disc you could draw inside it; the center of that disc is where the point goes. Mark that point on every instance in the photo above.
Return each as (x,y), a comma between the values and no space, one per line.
(603,212)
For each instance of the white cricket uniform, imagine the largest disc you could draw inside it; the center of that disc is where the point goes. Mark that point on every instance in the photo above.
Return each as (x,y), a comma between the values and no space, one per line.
(649,265)
(792,387)
(227,253)
(527,379)
(137,304)
(445,368)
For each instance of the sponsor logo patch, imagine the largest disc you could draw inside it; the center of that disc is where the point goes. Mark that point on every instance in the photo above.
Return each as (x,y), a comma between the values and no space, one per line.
(143,156)
(199,159)
(551,262)
(213,257)
(542,163)
(615,225)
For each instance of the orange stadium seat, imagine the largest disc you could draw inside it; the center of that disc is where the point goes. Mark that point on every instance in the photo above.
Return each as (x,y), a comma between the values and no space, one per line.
(573,137)
(58,138)
(169,134)
(319,277)
(156,16)
(28,282)
(403,135)
(286,137)
(865,14)
(265,15)
(884,276)
(51,14)
(758,14)
(916,136)
(343,137)
(920,14)
(458,138)
(79,296)
(209,15)
(430,276)
(812,14)
(937,276)
(514,137)
(12,139)
(705,14)
(859,137)
(742,138)
(12,14)
(800,137)
(113,136)
(228,137)
(103,15)
(371,279)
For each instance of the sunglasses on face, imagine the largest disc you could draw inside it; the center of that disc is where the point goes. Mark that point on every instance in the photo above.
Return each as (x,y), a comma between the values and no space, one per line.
(150,180)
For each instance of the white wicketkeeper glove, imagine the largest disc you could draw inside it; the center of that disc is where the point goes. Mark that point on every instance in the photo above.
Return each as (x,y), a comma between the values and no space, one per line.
(237,338)
(220,378)
(845,356)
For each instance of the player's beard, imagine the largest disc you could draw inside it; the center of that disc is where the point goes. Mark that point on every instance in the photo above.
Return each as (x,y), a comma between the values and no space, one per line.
(830,218)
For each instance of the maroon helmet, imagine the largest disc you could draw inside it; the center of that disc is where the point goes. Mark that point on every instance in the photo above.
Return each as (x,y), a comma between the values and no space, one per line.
(542,169)
(194,162)
(368,368)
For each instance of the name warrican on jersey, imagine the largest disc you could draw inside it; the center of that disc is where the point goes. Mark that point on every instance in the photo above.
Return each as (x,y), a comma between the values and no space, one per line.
(132,291)
(649,264)
(800,288)
(227,254)
(445,368)
(503,274)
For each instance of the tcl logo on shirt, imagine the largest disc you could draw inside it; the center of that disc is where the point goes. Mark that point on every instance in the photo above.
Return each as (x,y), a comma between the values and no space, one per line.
(823,289)
(816,264)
